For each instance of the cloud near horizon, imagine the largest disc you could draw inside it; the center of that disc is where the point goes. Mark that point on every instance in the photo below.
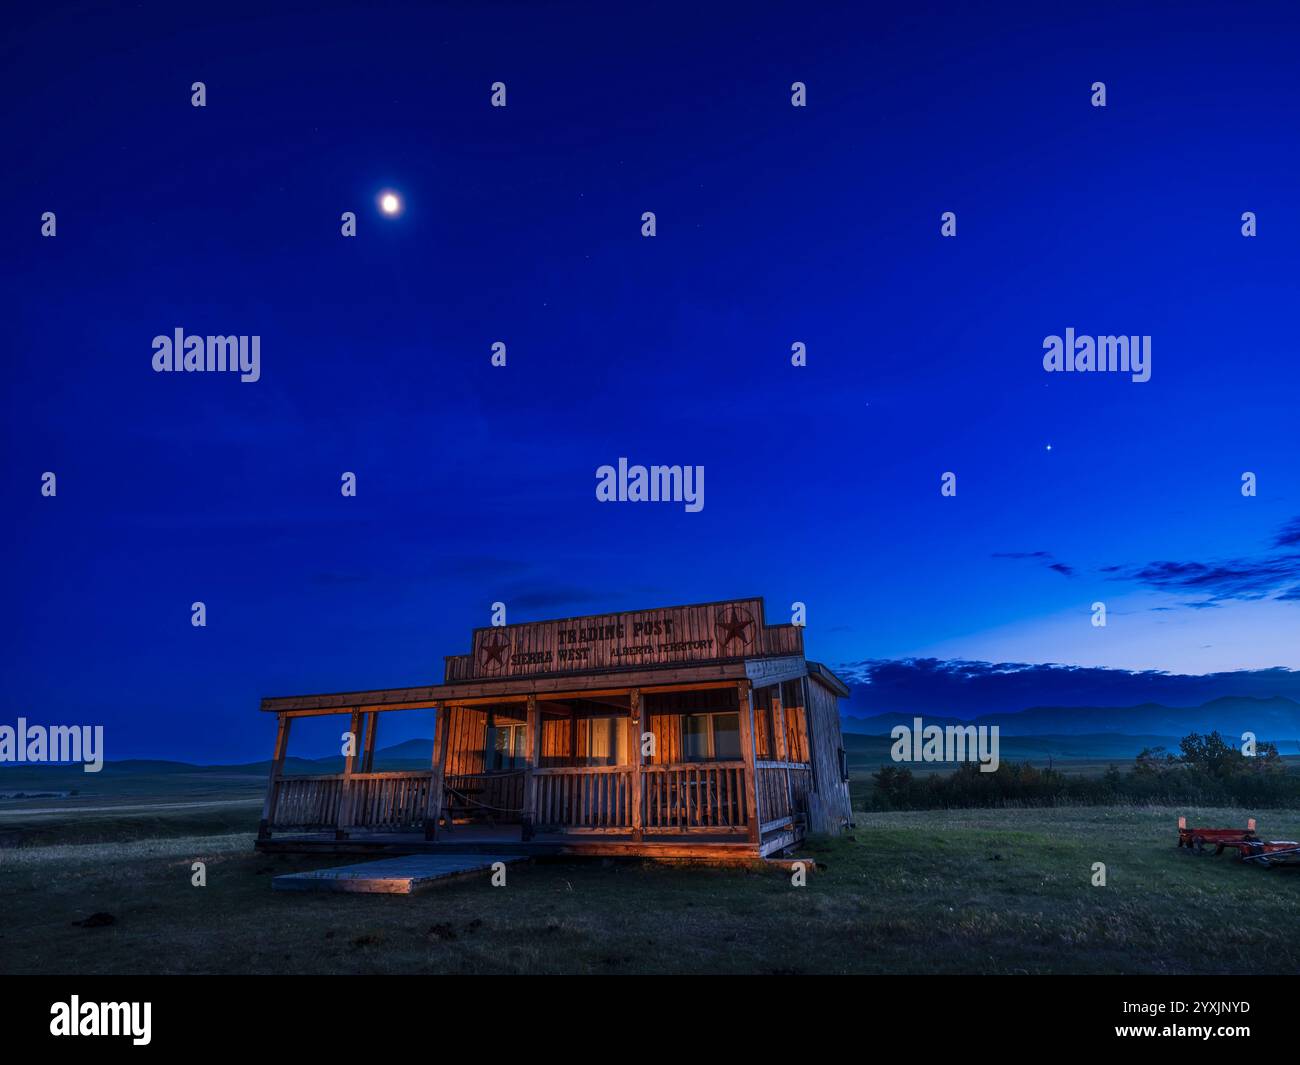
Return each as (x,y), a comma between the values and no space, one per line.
(1237,578)
(961,688)
(1269,576)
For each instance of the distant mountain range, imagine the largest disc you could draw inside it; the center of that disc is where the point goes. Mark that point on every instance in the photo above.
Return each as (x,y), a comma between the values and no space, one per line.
(411,754)
(1276,719)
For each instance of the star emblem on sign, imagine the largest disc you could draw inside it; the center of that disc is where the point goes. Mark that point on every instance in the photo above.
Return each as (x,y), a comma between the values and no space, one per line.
(734,625)
(494,653)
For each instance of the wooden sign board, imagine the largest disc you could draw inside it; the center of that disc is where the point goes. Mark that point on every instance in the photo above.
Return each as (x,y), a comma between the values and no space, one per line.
(639,639)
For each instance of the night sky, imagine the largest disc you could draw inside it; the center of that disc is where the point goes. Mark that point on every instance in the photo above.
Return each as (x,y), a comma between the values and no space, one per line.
(522,224)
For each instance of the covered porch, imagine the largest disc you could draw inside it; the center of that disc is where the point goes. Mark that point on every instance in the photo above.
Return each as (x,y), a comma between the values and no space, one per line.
(707,762)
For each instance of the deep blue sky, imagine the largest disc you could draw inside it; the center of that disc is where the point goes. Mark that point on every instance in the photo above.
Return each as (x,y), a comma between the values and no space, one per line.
(522,224)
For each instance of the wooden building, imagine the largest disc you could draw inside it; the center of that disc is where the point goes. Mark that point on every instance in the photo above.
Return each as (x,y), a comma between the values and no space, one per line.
(690,731)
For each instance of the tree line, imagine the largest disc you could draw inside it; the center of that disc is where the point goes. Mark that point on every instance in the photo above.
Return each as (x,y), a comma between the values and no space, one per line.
(1205,771)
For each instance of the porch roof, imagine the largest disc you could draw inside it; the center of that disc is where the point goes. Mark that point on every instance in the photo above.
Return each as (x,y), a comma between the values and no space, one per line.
(820,673)
(520,687)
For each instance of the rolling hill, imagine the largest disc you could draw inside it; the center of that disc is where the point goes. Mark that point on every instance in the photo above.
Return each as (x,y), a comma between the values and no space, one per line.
(1276,719)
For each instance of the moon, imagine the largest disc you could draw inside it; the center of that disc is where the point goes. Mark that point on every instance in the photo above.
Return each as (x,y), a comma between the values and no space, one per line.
(390,203)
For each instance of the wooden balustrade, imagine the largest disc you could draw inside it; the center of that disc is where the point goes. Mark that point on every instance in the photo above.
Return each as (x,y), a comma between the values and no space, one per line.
(801,783)
(591,798)
(782,792)
(705,796)
(306,802)
(385,802)
(388,802)
(688,797)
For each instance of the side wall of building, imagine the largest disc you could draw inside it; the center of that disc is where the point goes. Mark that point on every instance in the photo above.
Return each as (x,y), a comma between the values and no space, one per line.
(829,807)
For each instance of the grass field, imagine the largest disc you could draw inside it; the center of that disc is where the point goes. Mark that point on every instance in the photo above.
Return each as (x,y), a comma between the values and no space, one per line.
(124,802)
(972,891)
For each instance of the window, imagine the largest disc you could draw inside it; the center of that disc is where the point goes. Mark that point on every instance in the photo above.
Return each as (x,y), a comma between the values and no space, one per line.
(796,729)
(507,747)
(606,741)
(695,737)
(711,737)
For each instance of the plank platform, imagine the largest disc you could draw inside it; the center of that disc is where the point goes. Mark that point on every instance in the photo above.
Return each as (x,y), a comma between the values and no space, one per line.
(392,876)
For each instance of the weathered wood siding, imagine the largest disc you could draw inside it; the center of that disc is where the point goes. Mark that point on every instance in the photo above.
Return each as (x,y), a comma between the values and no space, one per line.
(829,806)
(667,731)
(764,745)
(466,737)
(764,671)
(557,741)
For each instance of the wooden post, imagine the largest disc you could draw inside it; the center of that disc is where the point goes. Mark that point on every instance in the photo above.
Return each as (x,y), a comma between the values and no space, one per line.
(533,738)
(638,773)
(444,748)
(345,797)
(433,806)
(745,703)
(368,762)
(273,785)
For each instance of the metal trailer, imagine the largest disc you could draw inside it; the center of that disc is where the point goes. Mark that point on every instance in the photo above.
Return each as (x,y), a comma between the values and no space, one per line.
(1249,847)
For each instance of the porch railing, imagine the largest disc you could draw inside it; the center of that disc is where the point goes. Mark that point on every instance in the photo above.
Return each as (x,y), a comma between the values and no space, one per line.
(494,797)
(686,797)
(306,802)
(782,791)
(388,802)
(591,797)
(694,796)
(385,802)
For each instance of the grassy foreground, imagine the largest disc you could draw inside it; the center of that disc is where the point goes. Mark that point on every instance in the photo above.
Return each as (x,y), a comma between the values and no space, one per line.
(969,891)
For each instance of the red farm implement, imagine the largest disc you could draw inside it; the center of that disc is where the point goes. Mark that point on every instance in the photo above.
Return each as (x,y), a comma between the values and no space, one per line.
(1249,847)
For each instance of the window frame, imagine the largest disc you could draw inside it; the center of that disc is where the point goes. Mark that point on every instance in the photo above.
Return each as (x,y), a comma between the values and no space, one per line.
(619,730)
(518,761)
(710,734)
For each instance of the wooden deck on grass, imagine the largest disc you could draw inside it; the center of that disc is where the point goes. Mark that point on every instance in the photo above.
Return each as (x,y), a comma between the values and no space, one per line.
(406,875)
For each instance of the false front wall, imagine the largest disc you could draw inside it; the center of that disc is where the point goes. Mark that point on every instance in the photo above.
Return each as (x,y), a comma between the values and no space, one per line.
(642,639)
